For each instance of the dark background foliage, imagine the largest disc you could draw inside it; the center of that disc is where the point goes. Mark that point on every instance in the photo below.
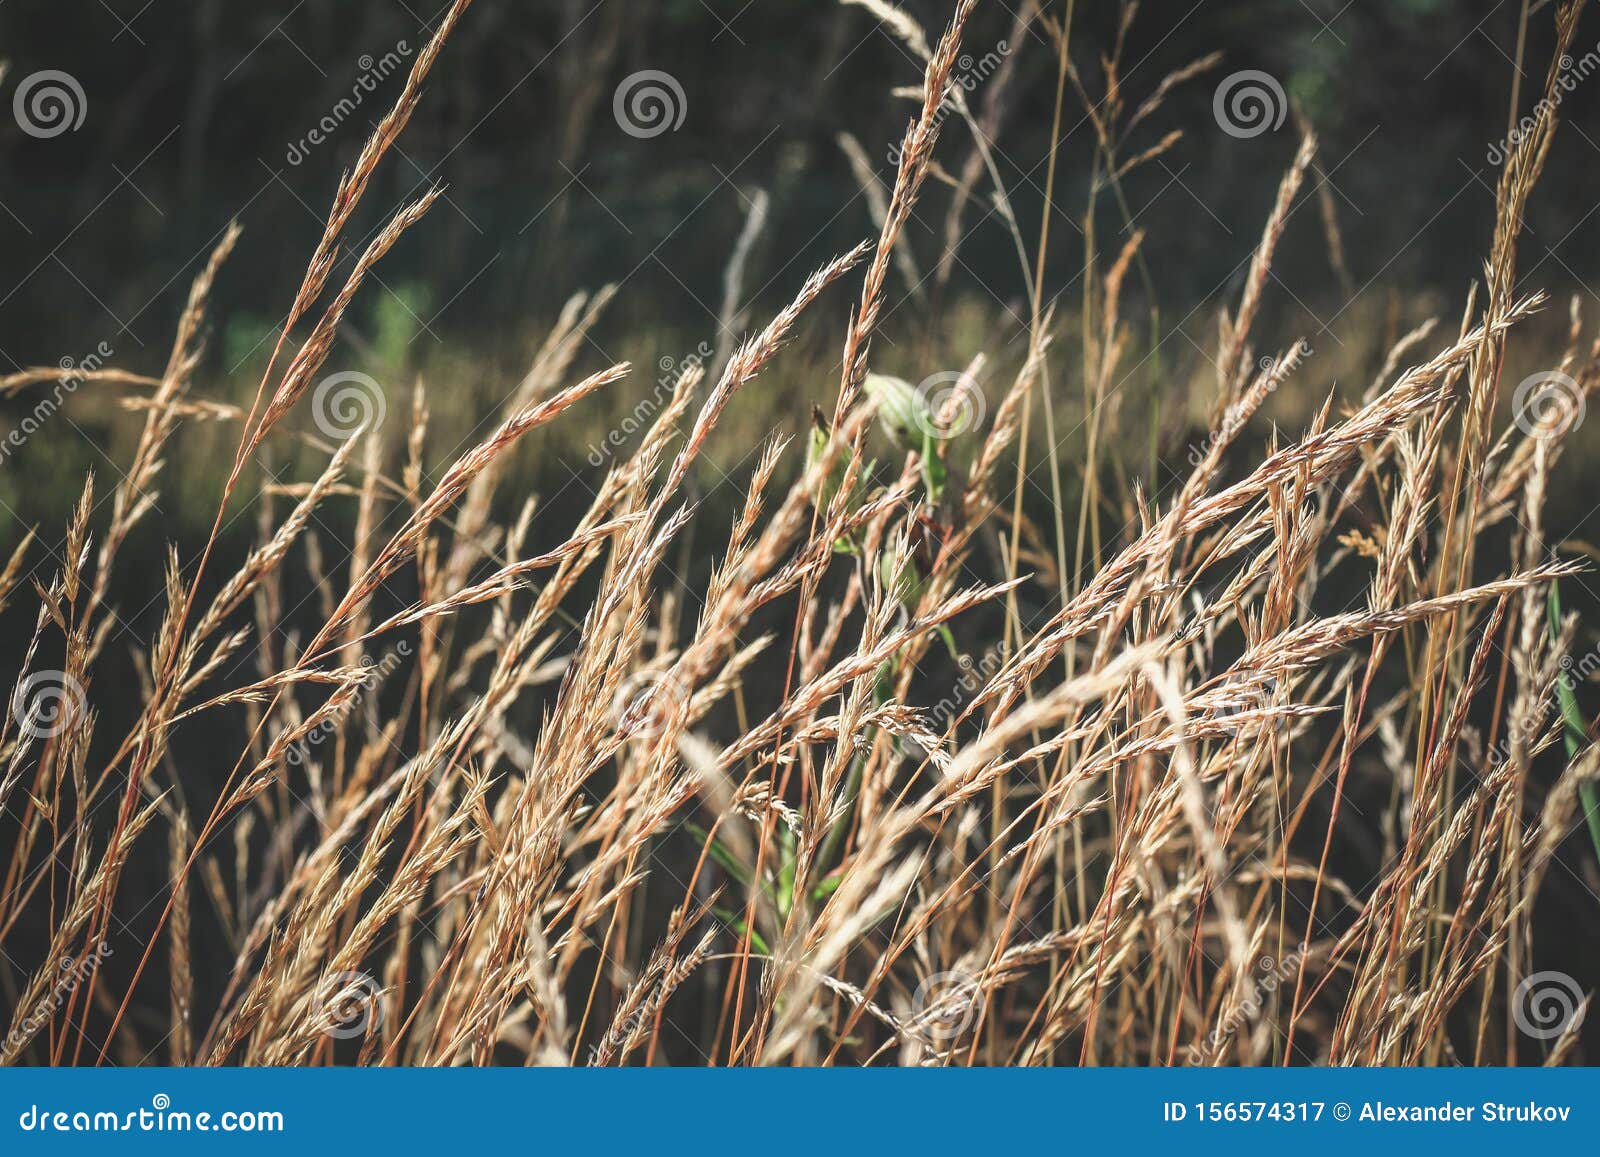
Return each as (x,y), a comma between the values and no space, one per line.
(193,106)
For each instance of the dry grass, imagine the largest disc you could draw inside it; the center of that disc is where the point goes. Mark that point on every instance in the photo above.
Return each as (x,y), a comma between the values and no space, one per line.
(554,807)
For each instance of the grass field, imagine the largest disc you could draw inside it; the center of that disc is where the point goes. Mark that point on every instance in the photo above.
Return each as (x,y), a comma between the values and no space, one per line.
(1076,684)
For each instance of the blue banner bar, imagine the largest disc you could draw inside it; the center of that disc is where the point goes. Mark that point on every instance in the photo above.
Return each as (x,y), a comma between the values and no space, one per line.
(775,1113)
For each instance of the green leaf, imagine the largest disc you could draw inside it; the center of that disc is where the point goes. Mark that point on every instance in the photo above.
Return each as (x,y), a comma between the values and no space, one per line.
(738,925)
(827,887)
(785,897)
(1574,732)
(721,854)
(934,473)
(902,412)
